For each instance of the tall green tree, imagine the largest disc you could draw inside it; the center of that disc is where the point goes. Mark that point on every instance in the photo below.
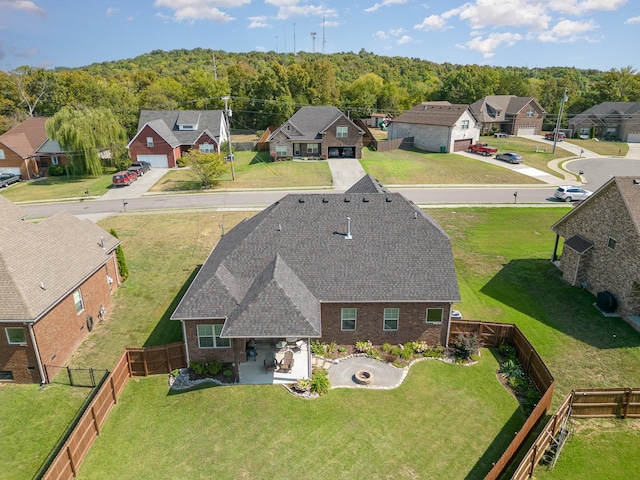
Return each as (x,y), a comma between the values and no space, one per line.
(208,166)
(82,133)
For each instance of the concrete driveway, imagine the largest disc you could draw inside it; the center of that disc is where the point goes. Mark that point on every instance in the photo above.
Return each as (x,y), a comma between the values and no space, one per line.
(138,188)
(634,151)
(345,172)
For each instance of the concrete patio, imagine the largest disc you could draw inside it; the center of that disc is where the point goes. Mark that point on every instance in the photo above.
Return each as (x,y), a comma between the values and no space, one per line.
(253,372)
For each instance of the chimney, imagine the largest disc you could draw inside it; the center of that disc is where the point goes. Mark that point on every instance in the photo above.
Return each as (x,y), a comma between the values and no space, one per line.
(348,235)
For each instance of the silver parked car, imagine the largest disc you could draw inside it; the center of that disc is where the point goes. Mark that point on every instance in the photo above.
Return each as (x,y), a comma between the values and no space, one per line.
(569,193)
(509,157)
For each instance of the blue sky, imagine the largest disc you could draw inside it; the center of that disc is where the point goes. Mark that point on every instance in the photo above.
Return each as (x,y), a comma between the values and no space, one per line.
(601,34)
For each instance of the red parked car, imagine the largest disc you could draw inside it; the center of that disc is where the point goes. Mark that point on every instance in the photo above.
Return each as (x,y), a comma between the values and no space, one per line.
(125,177)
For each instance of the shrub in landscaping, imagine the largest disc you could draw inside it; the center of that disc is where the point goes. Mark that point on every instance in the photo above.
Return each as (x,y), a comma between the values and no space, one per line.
(210,366)
(437,351)
(57,170)
(507,351)
(122,263)
(302,386)
(363,346)
(320,383)
(511,368)
(318,348)
(464,347)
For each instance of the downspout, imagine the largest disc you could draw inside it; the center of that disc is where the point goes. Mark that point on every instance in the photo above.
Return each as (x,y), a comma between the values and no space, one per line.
(309,365)
(446,340)
(186,342)
(554,256)
(43,380)
(575,275)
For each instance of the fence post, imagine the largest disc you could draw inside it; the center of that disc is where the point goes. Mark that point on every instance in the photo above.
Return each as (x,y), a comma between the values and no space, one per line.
(533,460)
(70,376)
(626,401)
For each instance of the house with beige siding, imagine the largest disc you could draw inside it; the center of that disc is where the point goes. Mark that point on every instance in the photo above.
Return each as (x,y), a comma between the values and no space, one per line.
(51,297)
(437,127)
(601,247)
(366,264)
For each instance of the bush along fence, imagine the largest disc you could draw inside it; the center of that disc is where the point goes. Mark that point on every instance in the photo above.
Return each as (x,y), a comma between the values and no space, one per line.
(581,403)
(493,335)
(133,362)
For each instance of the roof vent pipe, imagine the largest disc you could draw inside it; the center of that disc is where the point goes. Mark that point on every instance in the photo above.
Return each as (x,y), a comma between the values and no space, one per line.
(348,235)
(415,215)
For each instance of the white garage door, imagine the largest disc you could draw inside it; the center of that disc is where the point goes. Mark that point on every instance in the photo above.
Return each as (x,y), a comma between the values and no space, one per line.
(14,170)
(633,138)
(527,131)
(156,161)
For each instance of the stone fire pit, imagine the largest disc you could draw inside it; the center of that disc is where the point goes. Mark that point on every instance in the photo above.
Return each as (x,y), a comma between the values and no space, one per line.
(363,377)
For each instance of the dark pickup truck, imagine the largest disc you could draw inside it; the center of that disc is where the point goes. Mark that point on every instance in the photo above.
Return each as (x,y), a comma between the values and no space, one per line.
(7,179)
(140,168)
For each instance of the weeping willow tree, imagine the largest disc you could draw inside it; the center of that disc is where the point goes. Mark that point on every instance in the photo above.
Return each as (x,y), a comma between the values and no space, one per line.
(83,133)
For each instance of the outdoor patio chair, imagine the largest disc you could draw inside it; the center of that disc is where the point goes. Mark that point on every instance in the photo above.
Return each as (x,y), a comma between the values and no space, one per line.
(270,365)
(287,362)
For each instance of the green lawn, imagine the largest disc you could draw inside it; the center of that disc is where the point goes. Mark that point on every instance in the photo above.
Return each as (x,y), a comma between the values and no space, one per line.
(533,152)
(611,149)
(31,422)
(415,167)
(253,170)
(56,188)
(438,424)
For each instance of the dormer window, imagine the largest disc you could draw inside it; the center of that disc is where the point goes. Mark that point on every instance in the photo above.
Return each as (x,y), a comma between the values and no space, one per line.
(188,127)
(149,142)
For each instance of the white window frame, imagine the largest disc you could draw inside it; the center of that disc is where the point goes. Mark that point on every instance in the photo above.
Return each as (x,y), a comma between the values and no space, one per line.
(530,113)
(21,329)
(391,315)
(2,157)
(77,300)
(342,131)
(434,321)
(150,142)
(613,238)
(211,331)
(281,150)
(312,148)
(465,124)
(348,315)
(54,160)
(206,148)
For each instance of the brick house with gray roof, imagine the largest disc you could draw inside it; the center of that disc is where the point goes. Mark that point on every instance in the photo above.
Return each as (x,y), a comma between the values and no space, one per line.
(609,120)
(317,132)
(437,127)
(366,264)
(601,249)
(50,300)
(164,135)
(509,114)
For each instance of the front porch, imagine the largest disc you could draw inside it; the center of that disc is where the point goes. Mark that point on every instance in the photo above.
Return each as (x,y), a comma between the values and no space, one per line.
(254,372)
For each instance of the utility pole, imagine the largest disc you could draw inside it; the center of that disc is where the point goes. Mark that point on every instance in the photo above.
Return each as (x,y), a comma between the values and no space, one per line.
(313,38)
(555,134)
(215,72)
(227,114)
(294,38)
(324,39)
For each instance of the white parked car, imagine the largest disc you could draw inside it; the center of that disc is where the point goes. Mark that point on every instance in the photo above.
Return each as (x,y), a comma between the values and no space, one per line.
(569,193)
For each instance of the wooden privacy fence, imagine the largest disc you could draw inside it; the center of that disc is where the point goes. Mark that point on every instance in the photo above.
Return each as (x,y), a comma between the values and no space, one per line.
(132,362)
(492,335)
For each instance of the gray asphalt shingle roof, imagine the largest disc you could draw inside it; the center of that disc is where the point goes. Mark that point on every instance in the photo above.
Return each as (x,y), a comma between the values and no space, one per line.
(295,254)
(166,122)
(72,251)
(433,113)
(309,122)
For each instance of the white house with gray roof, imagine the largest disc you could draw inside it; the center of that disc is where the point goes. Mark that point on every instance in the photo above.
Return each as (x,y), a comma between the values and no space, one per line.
(164,135)
(56,281)
(366,264)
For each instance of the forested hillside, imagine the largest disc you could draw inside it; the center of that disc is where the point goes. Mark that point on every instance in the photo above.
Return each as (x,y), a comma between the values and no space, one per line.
(266,88)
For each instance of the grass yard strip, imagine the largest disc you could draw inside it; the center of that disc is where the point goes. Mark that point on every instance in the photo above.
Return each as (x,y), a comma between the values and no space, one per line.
(410,432)
(414,167)
(609,149)
(56,188)
(535,154)
(31,423)
(597,448)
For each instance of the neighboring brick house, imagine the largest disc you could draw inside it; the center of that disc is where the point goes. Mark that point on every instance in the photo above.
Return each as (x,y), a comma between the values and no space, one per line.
(366,264)
(322,132)
(609,120)
(23,152)
(51,297)
(601,250)
(164,135)
(437,127)
(509,114)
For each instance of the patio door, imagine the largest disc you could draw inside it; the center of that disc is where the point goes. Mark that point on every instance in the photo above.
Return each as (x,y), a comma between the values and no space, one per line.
(296,149)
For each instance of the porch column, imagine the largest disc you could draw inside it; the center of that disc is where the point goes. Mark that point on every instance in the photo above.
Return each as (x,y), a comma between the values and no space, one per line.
(554,256)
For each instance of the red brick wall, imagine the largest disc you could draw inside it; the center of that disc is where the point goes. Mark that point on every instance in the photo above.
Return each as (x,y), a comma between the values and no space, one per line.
(62,330)
(204,138)
(198,354)
(160,146)
(412,325)
(18,358)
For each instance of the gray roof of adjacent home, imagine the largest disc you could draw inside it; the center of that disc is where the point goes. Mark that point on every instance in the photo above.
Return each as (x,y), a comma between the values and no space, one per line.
(434,113)
(41,264)
(508,104)
(270,273)
(310,122)
(580,244)
(367,184)
(606,109)
(165,123)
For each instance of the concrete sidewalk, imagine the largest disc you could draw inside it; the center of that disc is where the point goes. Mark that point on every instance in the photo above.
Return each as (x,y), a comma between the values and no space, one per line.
(518,168)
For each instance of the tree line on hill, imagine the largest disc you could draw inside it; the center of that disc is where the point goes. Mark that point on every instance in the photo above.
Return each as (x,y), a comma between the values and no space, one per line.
(266,88)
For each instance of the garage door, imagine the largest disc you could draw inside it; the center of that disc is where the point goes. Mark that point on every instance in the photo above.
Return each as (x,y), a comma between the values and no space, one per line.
(14,170)
(526,130)
(633,138)
(461,145)
(156,161)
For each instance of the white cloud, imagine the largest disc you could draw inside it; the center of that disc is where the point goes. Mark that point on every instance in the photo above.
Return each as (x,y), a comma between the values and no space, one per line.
(404,39)
(568,31)
(384,3)
(24,6)
(632,20)
(580,7)
(258,22)
(193,10)
(381,35)
(111,11)
(487,46)
(397,31)
(293,8)
(432,22)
